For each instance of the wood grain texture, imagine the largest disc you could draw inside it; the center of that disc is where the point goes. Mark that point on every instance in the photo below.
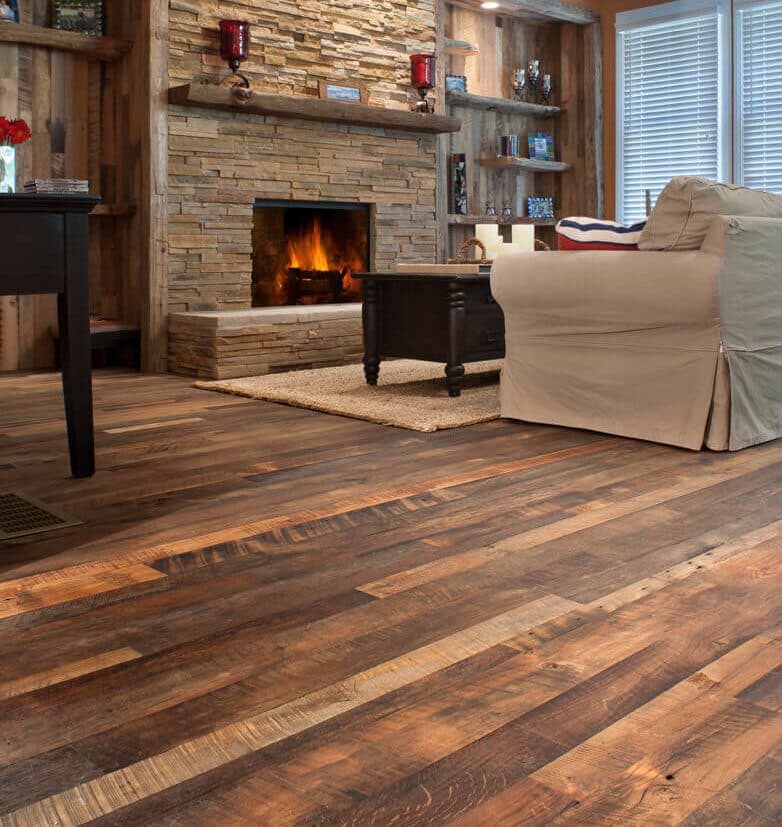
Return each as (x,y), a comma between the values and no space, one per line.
(274,616)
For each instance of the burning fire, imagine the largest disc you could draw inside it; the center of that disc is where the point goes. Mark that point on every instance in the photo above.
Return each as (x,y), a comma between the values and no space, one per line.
(315,249)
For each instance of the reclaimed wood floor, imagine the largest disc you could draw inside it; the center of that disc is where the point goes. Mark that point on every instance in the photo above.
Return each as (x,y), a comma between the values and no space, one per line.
(276,617)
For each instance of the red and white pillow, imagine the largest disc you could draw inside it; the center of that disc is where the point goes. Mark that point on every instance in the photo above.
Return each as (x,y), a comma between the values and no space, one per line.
(581,233)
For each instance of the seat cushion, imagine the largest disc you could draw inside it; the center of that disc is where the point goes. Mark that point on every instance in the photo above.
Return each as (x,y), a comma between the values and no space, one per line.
(684,211)
(580,233)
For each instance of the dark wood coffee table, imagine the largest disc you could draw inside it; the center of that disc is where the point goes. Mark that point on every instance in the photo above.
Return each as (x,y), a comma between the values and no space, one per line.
(438,318)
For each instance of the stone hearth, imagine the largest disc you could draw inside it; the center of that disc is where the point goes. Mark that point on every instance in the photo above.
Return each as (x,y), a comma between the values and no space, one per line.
(232,343)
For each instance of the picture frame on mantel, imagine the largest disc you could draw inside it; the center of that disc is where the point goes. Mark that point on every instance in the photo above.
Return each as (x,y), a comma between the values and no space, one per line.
(343,92)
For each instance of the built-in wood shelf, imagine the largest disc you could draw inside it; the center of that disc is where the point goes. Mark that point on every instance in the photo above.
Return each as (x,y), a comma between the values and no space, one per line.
(461,48)
(114,210)
(105,49)
(472,220)
(212,96)
(525,164)
(531,110)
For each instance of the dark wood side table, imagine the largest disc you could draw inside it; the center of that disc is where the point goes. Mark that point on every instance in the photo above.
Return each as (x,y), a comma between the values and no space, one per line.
(438,318)
(44,249)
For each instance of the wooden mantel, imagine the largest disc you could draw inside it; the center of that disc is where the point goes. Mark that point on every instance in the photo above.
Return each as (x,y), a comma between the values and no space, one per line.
(213,96)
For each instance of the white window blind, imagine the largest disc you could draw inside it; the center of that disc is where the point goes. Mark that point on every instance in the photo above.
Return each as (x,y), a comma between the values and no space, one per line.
(758,39)
(668,107)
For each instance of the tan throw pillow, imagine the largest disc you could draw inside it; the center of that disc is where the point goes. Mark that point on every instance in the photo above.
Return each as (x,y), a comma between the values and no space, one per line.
(684,211)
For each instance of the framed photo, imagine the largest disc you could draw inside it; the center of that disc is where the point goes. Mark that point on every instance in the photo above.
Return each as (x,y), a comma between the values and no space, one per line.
(347,93)
(455,83)
(83,16)
(9,11)
(541,146)
(459,183)
(540,207)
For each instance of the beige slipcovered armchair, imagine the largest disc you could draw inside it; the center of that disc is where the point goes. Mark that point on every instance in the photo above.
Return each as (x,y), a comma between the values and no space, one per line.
(680,342)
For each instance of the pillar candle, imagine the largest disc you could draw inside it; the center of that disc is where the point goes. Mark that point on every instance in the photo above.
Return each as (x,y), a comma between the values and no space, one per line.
(523,237)
(489,236)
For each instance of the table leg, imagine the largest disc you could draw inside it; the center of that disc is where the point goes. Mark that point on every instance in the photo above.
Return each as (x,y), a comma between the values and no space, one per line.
(454,370)
(371,331)
(73,306)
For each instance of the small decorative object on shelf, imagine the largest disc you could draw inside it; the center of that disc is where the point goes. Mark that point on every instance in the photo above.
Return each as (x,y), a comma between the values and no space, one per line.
(456,83)
(422,79)
(9,11)
(491,210)
(545,89)
(13,133)
(345,92)
(82,16)
(509,146)
(519,83)
(57,185)
(459,183)
(541,146)
(506,216)
(533,74)
(234,48)
(540,206)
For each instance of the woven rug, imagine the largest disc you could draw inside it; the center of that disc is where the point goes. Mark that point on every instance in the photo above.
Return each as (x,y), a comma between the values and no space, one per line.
(410,394)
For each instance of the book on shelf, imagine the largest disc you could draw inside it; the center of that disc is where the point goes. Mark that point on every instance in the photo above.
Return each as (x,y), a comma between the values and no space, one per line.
(57,185)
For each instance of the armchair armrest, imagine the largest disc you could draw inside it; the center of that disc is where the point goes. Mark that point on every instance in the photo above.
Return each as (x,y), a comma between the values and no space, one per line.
(599,293)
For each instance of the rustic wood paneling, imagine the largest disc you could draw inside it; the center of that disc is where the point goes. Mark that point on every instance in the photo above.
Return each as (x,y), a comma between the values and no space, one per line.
(87,112)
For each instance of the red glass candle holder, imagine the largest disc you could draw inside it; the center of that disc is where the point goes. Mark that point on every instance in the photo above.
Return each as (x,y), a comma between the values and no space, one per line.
(422,71)
(234,42)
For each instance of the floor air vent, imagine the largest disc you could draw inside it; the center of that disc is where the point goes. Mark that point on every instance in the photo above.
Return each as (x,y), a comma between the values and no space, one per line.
(21,515)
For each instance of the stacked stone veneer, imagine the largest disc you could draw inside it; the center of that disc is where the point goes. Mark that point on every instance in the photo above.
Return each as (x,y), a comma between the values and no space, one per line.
(221,162)
(219,166)
(228,344)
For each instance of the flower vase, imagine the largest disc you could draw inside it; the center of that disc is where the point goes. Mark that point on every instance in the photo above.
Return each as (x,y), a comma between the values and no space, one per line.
(7,168)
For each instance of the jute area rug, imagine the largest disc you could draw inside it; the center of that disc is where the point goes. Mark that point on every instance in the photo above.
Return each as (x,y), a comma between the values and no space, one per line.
(410,394)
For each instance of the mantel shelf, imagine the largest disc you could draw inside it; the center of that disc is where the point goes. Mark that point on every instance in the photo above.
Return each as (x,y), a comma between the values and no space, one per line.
(461,48)
(106,49)
(212,96)
(532,110)
(525,164)
(472,220)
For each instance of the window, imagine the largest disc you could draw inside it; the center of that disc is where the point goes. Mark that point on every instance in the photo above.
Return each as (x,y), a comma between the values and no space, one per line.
(676,77)
(758,39)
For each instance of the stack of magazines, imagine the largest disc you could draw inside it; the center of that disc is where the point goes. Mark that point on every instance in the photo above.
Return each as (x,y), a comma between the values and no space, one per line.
(57,185)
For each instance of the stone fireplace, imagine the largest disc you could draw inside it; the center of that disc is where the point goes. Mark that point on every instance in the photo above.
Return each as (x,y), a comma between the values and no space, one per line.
(232,174)
(305,252)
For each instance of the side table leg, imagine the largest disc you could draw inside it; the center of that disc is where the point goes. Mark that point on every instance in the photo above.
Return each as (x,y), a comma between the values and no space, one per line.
(454,370)
(73,306)
(371,332)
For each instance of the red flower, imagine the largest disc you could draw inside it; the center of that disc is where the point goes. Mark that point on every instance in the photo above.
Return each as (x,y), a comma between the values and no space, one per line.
(3,129)
(18,132)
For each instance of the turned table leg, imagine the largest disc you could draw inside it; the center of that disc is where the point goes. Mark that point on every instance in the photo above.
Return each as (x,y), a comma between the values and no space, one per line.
(371,332)
(454,370)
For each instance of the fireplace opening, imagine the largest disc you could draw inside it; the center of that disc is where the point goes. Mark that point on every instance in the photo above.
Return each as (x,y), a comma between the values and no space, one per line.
(305,252)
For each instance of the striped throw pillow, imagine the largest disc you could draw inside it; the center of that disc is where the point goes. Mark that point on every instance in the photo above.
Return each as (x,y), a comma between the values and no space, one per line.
(581,233)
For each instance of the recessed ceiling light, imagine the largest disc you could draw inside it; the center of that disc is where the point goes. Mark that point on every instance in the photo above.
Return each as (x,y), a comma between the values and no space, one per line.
(490,4)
